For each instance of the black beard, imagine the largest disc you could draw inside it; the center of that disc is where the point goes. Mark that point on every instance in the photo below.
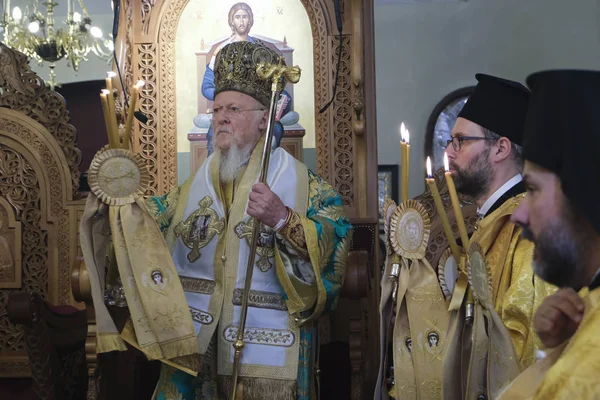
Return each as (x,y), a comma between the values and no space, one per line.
(475,179)
(561,251)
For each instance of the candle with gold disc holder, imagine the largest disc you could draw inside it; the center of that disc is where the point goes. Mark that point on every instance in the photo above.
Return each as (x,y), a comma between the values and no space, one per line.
(462,229)
(118,180)
(278,73)
(409,233)
(118,176)
(107,97)
(421,313)
(408,236)
(409,230)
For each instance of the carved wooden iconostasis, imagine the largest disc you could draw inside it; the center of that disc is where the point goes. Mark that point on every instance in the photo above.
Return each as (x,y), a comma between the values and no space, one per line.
(39,209)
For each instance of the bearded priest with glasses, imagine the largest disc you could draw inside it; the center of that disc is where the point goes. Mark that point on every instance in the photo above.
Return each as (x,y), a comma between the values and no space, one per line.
(489,347)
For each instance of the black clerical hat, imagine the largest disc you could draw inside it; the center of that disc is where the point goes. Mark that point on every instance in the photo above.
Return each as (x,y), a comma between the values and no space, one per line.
(562,134)
(499,105)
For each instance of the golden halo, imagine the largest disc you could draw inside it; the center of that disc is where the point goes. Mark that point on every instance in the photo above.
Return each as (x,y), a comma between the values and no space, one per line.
(480,276)
(443,274)
(118,176)
(410,227)
(389,206)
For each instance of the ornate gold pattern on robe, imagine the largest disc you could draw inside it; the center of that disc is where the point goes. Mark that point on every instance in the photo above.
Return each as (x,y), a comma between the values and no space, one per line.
(324,243)
(517,291)
(516,294)
(572,374)
(420,324)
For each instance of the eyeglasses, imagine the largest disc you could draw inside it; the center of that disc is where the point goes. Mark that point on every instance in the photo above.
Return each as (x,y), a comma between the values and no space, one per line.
(232,111)
(457,141)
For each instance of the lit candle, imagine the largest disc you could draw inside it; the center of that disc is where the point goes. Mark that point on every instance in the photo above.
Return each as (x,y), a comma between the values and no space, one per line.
(404,151)
(135,91)
(109,76)
(456,205)
(442,212)
(17,14)
(113,136)
(407,140)
(112,109)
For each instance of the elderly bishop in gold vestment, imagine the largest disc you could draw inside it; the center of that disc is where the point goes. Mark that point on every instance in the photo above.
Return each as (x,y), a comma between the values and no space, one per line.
(183,258)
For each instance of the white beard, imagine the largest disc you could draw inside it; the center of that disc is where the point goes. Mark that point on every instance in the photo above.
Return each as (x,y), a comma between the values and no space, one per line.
(232,161)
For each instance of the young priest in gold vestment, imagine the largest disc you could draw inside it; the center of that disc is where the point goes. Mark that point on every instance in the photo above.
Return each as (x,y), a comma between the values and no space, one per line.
(561,216)
(486,161)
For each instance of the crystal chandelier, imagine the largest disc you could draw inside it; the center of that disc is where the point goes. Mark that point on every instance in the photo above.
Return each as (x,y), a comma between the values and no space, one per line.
(35,34)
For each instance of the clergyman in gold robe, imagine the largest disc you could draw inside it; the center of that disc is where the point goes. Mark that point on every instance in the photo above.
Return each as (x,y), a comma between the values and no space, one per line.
(485,158)
(561,216)
(185,288)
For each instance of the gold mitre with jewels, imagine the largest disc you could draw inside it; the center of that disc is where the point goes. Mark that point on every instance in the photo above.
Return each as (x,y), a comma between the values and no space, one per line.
(236,70)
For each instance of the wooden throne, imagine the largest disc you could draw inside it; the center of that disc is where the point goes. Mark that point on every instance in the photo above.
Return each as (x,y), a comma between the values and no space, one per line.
(39,203)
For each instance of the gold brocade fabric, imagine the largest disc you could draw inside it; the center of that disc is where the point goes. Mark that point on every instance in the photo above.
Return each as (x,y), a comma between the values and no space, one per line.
(293,231)
(159,311)
(571,373)
(516,294)
(163,329)
(517,291)
(419,333)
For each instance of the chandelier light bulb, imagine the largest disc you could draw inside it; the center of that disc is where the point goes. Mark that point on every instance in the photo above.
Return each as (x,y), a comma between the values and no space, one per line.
(96,32)
(38,35)
(17,14)
(34,27)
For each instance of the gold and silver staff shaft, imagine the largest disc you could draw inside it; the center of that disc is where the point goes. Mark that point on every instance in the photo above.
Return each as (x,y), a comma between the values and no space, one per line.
(277,73)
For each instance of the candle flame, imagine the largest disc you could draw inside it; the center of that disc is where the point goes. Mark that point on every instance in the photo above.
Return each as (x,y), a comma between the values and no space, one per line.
(403,132)
(429,174)
(140,84)
(406,137)
(446,163)
(111,74)
(105,92)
